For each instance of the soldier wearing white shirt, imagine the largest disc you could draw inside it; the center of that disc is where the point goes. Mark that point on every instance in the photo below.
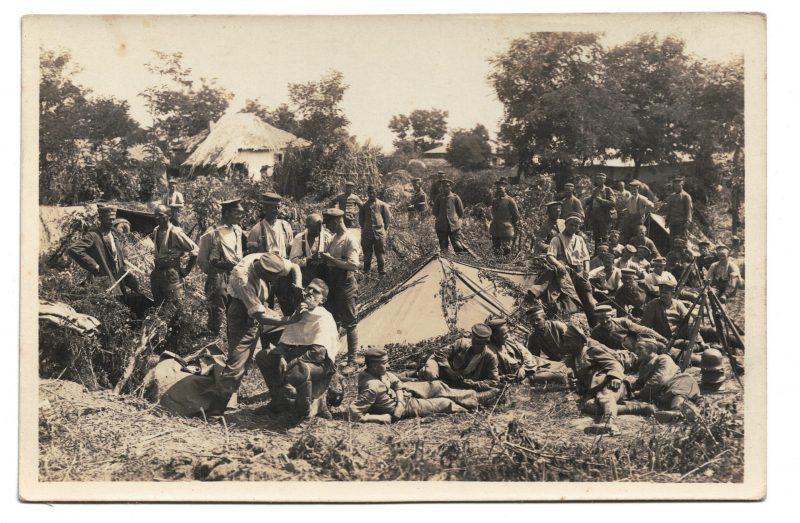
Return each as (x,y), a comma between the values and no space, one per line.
(568,252)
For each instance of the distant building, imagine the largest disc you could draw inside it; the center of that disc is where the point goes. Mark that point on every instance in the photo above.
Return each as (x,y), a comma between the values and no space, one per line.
(241,141)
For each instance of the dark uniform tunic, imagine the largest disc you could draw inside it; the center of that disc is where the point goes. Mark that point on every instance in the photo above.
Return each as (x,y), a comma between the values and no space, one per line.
(458,367)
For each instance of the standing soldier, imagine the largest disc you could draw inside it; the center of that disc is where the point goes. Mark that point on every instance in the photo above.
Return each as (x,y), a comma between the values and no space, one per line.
(449,211)
(505,219)
(623,198)
(418,204)
(220,249)
(568,252)
(170,244)
(174,200)
(375,219)
(571,203)
(551,227)
(600,206)
(273,235)
(637,209)
(100,253)
(342,260)
(350,204)
(679,210)
(307,246)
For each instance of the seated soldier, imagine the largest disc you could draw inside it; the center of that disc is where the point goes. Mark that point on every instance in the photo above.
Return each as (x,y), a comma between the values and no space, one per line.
(468,364)
(546,336)
(706,257)
(514,362)
(626,260)
(658,275)
(642,259)
(597,259)
(642,239)
(661,382)
(724,275)
(383,397)
(614,246)
(621,333)
(600,374)
(299,369)
(606,278)
(631,295)
(679,257)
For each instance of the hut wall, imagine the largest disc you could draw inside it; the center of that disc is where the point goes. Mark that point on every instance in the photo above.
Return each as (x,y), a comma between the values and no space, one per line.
(255,160)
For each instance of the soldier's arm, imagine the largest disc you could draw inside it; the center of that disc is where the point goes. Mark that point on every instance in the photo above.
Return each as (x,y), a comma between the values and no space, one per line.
(635,328)
(601,359)
(359,408)
(387,217)
(491,376)
(689,208)
(78,251)
(459,206)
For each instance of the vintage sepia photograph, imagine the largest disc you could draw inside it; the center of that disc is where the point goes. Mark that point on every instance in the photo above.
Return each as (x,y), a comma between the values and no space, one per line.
(393,258)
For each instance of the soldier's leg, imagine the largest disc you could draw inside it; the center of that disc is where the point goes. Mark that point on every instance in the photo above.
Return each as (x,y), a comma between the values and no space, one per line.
(272,365)
(497,245)
(607,402)
(242,340)
(366,247)
(457,240)
(444,239)
(156,286)
(429,371)
(349,319)
(438,389)
(379,245)
(215,300)
(584,289)
(420,408)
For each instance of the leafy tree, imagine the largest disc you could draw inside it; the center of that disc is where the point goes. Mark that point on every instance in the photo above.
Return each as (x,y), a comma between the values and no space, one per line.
(179,105)
(420,130)
(556,114)
(281,117)
(317,106)
(653,80)
(83,140)
(470,149)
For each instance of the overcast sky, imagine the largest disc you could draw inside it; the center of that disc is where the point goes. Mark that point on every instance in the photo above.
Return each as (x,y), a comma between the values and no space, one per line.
(392,64)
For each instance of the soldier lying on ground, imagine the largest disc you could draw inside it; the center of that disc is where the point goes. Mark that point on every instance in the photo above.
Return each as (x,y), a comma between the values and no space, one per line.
(599,373)
(469,363)
(514,361)
(661,382)
(383,397)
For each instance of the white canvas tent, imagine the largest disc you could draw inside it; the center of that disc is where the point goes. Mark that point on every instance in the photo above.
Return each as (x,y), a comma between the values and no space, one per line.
(442,295)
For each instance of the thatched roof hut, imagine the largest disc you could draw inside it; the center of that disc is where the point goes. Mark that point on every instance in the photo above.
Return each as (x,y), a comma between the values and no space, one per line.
(243,139)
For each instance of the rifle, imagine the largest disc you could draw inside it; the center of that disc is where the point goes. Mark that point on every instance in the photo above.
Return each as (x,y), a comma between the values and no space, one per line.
(685,319)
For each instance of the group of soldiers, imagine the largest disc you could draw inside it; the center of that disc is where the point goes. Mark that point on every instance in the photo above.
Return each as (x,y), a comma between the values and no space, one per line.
(296,295)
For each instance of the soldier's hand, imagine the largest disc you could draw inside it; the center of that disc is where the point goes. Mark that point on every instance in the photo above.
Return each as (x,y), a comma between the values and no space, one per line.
(614,384)
(521,373)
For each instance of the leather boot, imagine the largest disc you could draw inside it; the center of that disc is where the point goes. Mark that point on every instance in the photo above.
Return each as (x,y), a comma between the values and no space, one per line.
(636,408)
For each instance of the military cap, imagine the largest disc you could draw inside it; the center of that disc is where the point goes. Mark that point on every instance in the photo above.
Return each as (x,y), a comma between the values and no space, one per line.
(574,216)
(501,181)
(679,239)
(271,197)
(644,248)
(271,263)
(703,242)
(440,172)
(447,180)
(535,308)
(628,272)
(349,183)
(172,181)
(229,203)
(496,323)
(376,354)
(481,331)
(607,256)
(176,206)
(613,231)
(666,285)
(601,175)
(607,310)
(553,204)
(678,179)
(333,213)
(603,244)
(631,248)
(416,180)
(635,183)
(659,261)
(722,247)
(107,210)
(569,185)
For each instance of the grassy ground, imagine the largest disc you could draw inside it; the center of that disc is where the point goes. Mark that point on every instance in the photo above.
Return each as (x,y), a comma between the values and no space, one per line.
(528,435)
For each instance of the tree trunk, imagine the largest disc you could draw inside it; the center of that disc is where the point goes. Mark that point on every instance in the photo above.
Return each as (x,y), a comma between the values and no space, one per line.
(637,165)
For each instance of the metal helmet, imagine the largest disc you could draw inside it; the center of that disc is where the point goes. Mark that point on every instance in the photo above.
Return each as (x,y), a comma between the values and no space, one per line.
(711,360)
